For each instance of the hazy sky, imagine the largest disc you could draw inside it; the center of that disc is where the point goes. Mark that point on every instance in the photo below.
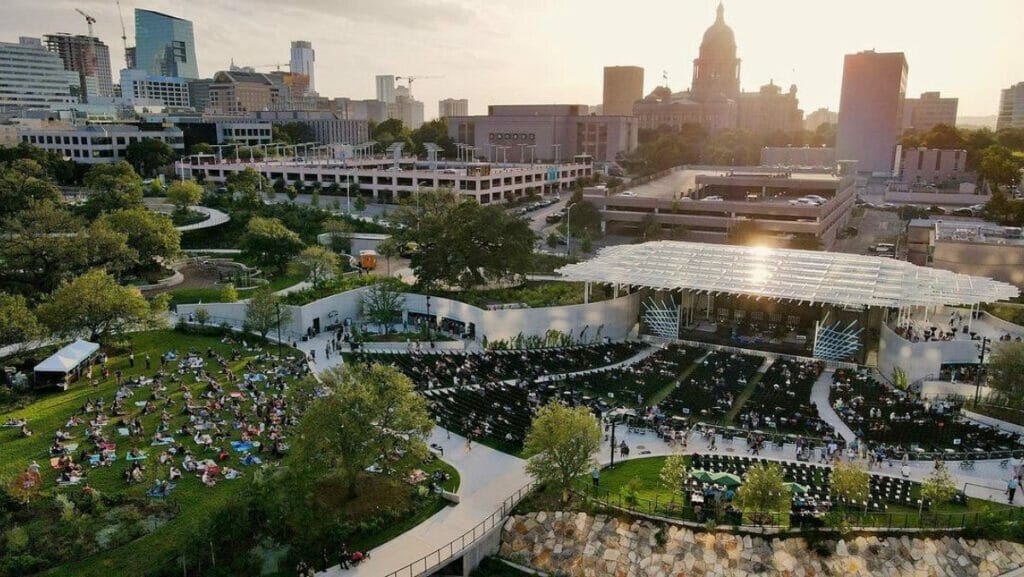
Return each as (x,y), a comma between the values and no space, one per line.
(545,51)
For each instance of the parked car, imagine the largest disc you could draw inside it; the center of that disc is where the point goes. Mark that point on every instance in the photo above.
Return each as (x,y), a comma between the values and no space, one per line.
(553,218)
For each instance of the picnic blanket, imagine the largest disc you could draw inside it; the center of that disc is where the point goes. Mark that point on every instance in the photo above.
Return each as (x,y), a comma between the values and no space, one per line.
(94,460)
(240,446)
(141,457)
(123,431)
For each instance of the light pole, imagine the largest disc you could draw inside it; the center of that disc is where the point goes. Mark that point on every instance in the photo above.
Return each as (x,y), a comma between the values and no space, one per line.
(278,306)
(612,423)
(981,367)
(430,336)
(568,229)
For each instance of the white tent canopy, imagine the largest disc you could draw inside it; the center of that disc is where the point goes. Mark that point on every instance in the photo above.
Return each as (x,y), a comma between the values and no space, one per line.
(68,358)
(785,274)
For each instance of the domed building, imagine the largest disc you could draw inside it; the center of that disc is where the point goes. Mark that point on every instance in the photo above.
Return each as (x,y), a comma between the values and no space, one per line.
(715,100)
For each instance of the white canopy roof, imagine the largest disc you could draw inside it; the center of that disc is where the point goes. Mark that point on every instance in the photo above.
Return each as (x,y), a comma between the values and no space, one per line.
(785,274)
(69,357)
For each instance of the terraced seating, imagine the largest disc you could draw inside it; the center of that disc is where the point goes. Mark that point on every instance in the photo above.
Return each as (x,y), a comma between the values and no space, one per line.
(894,422)
(709,391)
(637,383)
(782,400)
(447,369)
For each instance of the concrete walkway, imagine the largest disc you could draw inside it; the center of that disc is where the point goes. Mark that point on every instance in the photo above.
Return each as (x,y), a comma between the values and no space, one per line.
(488,477)
(819,397)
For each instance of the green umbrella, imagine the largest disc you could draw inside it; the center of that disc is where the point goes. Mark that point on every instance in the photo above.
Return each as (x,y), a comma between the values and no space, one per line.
(701,475)
(796,488)
(727,479)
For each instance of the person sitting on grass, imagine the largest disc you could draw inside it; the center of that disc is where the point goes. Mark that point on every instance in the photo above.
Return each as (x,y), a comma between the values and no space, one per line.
(231,474)
(209,480)
(175,473)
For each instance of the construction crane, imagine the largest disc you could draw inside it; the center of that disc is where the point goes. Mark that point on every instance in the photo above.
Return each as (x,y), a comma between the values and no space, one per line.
(411,79)
(88,20)
(278,65)
(124,35)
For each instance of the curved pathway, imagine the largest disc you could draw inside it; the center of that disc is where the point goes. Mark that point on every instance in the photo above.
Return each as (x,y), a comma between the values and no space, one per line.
(214,218)
(819,397)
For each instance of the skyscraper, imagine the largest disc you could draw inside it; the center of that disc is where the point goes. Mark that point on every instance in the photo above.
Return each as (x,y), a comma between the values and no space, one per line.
(1011,107)
(452,107)
(32,76)
(871,109)
(87,56)
(386,88)
(303,58)
(623,85)
(164,45)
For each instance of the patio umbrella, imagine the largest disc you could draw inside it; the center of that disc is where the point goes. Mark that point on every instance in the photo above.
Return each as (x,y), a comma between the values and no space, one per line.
(727,479)
(701,475)
(796,488)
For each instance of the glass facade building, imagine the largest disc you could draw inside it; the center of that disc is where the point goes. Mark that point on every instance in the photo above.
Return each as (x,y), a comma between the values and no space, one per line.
(33,77)
(165,45)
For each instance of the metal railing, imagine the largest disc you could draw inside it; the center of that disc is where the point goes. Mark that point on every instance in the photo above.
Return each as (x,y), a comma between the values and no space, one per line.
(451,551)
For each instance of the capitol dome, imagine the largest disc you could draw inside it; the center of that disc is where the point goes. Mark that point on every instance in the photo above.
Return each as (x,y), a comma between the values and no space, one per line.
(719,38)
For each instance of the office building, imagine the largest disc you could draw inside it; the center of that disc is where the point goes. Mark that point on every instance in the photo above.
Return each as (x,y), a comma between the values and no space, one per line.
(98,144)
(921,114)
(452,107)
(545,133)
(89,58)
(1011,107)
(235,93)
(243,132)
(714,99)
(327,127)
(386,88)
(933,166)
(140,87)
(33,77)
(302,62)
(406,108)
(164,45)
(871,110)
(819,117)
(623,86)
(199,93)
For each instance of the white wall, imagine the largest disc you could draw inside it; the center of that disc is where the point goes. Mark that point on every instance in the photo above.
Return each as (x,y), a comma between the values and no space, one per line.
(921,359)
(618,316)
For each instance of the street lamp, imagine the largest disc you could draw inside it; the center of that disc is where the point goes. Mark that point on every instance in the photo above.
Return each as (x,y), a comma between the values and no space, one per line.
(568,229)
(430,336)
(278,306)
(612,424)
(981,367)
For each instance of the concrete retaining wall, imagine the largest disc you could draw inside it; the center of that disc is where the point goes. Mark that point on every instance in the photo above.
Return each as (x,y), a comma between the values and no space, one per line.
(920,360)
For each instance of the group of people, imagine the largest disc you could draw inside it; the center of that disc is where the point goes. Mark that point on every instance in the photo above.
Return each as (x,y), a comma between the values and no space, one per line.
(233,418)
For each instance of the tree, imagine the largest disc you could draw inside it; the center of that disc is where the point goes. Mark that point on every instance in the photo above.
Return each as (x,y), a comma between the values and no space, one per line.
(202,315)
(321,263)
(152,235)
(763,492)
(339,230)
(202,148)
(461,242)
(22,182)
(851,482)
(247,184)
(270,243)
(371,416)
(229,294)
(184,193)
(583,216)
(552,240)
(96,305)
(650,228)
(359,203)
(149,155)
(294,132)
(264,312)
(389,249)
(938,487)
(673,474)
(1006,372)
(114,187)
(561,444)
(999,166)
(17,323)
(382,303)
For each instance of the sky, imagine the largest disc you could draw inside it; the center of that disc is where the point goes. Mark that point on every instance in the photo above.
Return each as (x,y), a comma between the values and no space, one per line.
(548,51)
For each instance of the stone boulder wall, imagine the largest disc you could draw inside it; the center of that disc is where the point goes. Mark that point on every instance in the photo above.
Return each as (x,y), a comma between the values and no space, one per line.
(577,544)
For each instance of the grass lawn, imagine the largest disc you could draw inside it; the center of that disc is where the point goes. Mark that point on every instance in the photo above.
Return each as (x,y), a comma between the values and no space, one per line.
(182,296)
(650,490)
(197,503)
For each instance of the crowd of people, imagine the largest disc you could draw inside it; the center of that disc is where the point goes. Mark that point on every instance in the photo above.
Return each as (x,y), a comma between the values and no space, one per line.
(191,416)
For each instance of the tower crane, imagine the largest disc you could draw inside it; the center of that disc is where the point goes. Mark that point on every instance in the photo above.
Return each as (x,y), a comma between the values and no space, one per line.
(88,20)
(411,79)
(277,65)
(124,35)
